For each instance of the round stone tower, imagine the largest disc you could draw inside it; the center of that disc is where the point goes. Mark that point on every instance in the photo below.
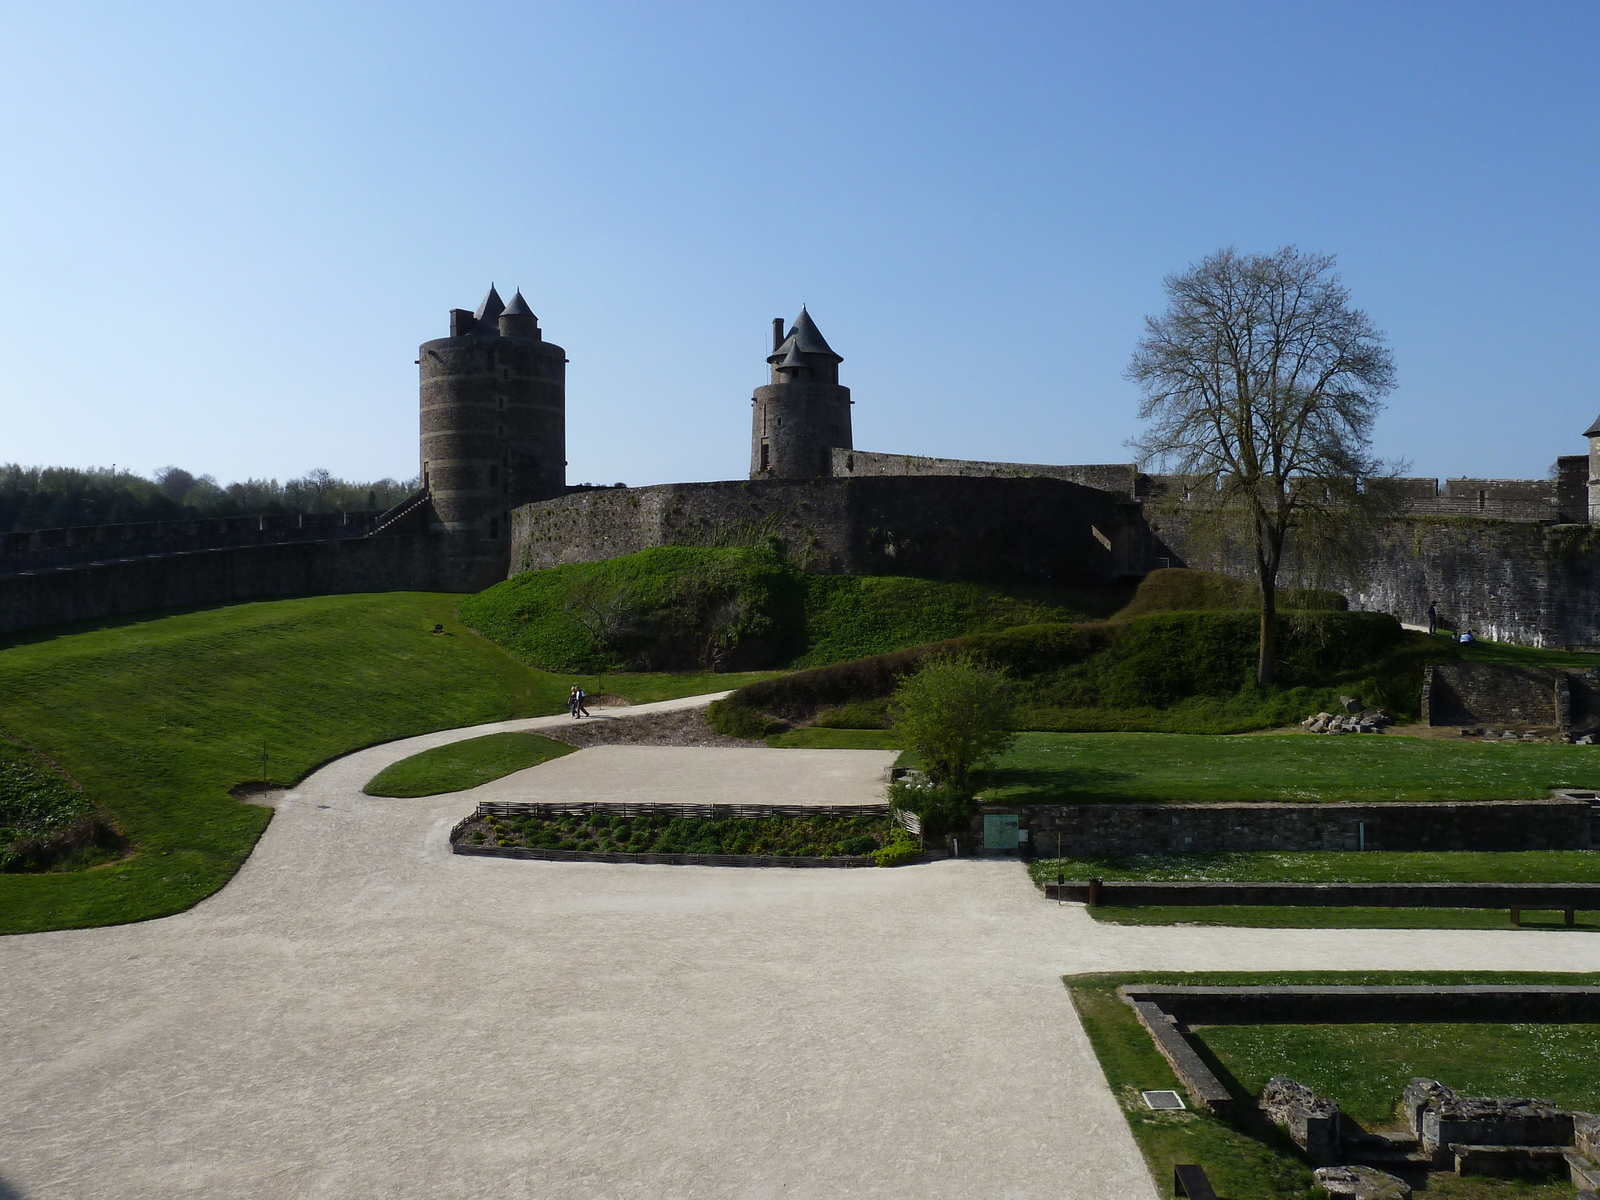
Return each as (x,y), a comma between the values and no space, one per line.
(494,431)
(803,413)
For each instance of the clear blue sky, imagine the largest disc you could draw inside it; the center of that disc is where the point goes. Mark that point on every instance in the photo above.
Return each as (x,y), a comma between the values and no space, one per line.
(225,228)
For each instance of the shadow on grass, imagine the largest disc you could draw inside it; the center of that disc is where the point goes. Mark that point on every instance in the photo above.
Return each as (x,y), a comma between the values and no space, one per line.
(1060,785)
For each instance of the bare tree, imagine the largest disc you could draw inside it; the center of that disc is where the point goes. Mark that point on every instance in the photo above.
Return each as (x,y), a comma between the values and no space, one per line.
(1261,387)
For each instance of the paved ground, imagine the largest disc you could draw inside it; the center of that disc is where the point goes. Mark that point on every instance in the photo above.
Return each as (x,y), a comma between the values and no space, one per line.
(362,1014)
(697,775)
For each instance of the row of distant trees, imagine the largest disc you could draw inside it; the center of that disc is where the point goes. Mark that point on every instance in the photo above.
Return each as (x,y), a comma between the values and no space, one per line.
(57,497)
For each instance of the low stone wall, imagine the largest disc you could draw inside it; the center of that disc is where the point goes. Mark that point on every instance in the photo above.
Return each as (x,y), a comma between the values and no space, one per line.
(408,562)
(1347,1004)
(1557,897)
(1559,824)
(1025,529)
(1478,693)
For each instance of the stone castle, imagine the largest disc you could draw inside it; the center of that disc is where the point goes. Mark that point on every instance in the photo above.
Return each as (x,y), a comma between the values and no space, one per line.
(1517,560)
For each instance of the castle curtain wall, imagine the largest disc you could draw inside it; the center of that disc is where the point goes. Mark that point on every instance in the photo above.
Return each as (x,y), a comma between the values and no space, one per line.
(408,562)
(941,527)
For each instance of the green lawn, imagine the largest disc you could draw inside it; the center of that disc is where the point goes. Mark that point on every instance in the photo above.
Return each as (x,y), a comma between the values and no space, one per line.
(817,738)
(462,765)
(1248,1159)
(1365,1067)
(159,717)
(1116,768)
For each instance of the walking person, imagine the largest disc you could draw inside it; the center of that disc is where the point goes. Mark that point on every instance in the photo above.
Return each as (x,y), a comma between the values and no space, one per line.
(572,702)
(1433,618)
(580,696)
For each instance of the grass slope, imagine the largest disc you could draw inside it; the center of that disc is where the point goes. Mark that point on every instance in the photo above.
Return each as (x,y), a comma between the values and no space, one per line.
(157,718)
(687,606)
(1250,1160)
(1117,768)
(463,765)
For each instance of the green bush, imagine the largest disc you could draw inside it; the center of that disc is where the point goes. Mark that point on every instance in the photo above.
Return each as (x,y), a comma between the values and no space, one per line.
(954,714)
(43,818)
(900,848)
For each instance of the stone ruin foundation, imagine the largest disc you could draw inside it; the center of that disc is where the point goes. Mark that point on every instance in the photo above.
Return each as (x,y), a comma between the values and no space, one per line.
(1503,1137)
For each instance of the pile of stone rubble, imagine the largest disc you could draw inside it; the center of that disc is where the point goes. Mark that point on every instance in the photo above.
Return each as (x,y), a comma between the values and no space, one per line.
(1467,1135)
(1354,719)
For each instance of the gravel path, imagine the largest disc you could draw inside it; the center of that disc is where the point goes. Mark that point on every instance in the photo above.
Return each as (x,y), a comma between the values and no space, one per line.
(362,1013)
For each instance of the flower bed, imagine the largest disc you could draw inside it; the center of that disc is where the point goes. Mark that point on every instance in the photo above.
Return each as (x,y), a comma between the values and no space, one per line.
(869,838)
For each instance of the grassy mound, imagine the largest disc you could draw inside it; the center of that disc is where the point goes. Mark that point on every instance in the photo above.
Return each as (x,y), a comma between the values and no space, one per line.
(463,765)
(1178,589)
(684,607)
(159,718)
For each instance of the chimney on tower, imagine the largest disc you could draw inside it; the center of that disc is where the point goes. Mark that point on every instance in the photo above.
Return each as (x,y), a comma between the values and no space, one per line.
(777,332)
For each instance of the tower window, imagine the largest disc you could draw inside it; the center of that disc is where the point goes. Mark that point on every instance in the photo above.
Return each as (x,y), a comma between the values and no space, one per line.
(766,457)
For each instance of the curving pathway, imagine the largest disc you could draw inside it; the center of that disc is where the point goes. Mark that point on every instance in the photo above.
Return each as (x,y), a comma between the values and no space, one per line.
(361,1013)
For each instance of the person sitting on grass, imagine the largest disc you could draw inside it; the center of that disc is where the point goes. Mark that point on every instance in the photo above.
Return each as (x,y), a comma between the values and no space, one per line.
(1466,637)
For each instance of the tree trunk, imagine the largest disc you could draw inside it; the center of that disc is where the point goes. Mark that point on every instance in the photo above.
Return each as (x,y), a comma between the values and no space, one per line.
(1267,659)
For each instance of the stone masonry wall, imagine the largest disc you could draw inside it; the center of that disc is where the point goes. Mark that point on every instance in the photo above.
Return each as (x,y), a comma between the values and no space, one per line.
(940,527)
(408,562)
(1508,581)
(1474,693)
(1209,828)
(1121,478)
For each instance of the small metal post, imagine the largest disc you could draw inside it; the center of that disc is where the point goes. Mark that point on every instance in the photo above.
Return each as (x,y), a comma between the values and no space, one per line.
(1361,835)
(1061,878)
(1094,892)
(1516,916)
(1572,916)
(263,762)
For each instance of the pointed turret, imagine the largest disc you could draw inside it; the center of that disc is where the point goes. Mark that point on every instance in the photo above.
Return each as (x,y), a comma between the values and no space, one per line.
(803,415)
(805,337)
(486,321)
(518,320)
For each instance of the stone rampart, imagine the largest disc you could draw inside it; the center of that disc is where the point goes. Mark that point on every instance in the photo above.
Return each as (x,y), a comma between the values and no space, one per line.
(44,549)
(1557,824)
(939,527)
(119,587)
(1121,478)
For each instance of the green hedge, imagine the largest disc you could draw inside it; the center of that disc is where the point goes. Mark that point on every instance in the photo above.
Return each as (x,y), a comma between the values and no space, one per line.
(1134,666)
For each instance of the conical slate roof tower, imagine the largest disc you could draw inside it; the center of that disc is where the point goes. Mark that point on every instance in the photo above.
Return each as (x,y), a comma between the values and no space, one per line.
(803,415)
(494,413)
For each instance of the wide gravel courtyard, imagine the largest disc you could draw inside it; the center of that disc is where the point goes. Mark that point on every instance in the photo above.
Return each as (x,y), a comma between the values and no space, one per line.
(362,1014)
